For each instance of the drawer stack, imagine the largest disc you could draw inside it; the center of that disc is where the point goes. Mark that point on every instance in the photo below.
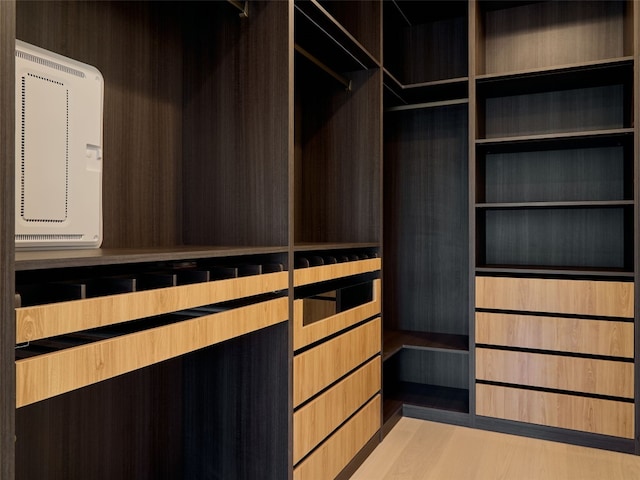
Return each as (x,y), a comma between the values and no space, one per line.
(336,364)
(556,352)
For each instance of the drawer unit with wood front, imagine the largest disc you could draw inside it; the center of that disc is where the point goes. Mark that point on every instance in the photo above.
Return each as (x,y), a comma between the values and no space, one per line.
(136,316)
(557,353)
(337,335)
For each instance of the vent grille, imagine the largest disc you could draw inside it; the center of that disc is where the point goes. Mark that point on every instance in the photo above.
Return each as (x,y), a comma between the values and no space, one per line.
(23,158)
(49,63)
(49,236)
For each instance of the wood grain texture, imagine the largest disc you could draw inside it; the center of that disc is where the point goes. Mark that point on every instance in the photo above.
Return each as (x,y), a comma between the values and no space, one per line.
(51,374)
(305,276)
(129,426)
(307,334)
(139,54)
(236,124)
(548,34)
(556,111)
(418,449)
(426,236)
(594,337)
(236,409)
(333,455)
(362,19)
(576,297)
(593,415)
(318,367)
(339,157)
(556,175)
(584,375)
(316,420)
(45,321)
(592,237)
(7,242)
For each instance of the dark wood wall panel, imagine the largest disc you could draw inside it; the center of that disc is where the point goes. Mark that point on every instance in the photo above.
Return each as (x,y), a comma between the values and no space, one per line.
(557,175)
(426,220)
(137,47)
(126,427)
(434,47)
(596,108)
(544,34)
(361,19)
(7,179)
(338,157)
(434,368)
(581,237)
(236,125)
(236,408)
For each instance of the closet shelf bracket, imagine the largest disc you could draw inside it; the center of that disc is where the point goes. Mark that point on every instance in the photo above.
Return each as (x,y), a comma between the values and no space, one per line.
(340,78)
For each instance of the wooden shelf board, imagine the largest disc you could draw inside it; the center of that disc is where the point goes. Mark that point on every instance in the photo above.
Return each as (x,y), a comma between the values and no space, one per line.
(395,340)
(568,271)
(46,259)
(549,137)
(557,70)
(416,106)
(572,204)
(428,396)
(312,246)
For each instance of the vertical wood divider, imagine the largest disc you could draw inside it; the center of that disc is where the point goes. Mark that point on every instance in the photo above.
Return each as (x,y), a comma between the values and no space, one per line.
(636,197)
(7,276)
(472,115)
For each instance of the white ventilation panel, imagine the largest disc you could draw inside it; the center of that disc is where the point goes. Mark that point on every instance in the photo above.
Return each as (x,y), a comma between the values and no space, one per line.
(58,151)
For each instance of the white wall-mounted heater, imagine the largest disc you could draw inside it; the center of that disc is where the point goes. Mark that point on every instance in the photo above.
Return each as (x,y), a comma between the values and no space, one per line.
(58,151)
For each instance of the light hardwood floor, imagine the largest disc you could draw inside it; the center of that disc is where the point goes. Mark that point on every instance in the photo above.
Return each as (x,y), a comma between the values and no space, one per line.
(420,450)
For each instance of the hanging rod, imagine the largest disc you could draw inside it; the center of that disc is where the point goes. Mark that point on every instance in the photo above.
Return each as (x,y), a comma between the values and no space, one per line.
(242,6)
(401,12)
(340,78)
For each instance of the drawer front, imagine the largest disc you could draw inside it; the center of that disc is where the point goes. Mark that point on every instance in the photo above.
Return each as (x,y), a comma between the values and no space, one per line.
(574,335)
(339,449)
(47,375)
(579,297)
(44,321)
(605,417)
(586,375)
(304,335)
(313,422)
(320,366)
(305,276)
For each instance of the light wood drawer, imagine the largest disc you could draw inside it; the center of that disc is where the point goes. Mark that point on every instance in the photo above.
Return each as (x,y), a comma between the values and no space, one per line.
(313,422)
(320,366)
(305,276)
(579,297)
(333,455)
(51,374)
(595,337)
(44,321)
(605,417)
(586,375)
(307,334)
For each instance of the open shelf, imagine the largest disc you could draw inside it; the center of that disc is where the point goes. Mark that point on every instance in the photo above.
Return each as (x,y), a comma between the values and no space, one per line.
(531,205)
(519,36)
(562,77)
(395,340)
(593,237)
(452,90)
(427,396)
(425,41)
